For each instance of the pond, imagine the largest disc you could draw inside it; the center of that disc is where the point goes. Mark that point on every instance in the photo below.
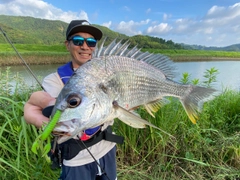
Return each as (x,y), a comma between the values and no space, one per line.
(228,77)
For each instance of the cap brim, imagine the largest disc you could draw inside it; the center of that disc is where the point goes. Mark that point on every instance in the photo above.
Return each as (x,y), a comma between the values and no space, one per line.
(95,32)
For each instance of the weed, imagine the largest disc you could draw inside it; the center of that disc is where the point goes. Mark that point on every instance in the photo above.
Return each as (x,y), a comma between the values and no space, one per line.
(208,150)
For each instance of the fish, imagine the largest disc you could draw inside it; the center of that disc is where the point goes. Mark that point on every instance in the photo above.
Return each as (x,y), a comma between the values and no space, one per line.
(117,80)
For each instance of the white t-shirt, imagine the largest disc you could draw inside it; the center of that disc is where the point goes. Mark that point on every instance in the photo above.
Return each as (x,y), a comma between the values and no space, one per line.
(53,85)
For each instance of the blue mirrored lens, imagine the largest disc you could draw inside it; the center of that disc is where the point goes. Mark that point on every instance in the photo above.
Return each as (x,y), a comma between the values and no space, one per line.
(78,41)
(91,42)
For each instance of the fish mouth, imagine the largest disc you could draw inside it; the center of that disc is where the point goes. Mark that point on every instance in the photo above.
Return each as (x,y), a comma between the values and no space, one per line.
(62,137)
(65,130)
(60,134)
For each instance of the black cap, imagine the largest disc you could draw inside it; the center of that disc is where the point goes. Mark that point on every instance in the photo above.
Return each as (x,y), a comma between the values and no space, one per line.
(76,26)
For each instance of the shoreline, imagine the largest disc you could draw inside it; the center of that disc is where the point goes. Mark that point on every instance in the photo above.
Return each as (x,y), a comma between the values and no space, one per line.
(194,58)
(14,60)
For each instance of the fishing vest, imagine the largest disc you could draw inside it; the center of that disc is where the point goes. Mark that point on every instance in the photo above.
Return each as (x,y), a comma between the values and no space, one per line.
(65,72)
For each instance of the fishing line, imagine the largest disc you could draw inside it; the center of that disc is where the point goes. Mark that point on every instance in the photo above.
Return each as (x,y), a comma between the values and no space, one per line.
(31,72)
(24,62)
(95,160)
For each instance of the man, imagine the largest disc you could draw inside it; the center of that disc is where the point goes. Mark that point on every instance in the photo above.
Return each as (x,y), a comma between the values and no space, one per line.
(81,39)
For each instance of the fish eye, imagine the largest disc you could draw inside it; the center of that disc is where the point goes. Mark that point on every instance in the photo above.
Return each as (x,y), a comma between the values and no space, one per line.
(73,100)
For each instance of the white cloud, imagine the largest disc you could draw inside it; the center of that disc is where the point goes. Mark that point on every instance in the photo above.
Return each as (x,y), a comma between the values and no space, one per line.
(107,24)
(39,9)
(223,16)
(219,26)
(148,10)
(166,16)
(159,29)
(126,8)
(131,28)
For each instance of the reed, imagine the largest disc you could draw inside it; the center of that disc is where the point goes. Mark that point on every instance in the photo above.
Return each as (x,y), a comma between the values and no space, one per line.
(208,150)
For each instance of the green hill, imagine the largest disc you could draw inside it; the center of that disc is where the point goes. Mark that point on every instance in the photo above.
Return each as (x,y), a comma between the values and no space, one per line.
(29,30)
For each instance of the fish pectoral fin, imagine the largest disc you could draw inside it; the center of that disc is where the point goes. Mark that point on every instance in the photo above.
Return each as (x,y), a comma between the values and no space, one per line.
(130,118)
(154,106)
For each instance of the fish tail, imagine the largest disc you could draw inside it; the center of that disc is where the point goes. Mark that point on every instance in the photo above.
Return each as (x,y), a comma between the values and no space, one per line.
(194,99)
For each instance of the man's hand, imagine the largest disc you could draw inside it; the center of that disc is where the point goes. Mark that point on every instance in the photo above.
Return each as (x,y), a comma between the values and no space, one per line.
(34,106)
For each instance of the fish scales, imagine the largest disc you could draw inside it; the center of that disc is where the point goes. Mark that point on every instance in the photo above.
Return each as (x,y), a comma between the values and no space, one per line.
(127,79)
(114,82)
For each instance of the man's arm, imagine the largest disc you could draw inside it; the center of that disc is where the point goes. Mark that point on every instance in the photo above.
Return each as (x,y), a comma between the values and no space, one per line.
(34,106)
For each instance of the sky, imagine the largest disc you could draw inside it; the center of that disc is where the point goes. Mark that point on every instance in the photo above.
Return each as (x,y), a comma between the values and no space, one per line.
(193,22)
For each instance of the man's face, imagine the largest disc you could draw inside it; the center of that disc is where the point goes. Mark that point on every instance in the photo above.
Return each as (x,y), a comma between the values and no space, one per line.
(80,54)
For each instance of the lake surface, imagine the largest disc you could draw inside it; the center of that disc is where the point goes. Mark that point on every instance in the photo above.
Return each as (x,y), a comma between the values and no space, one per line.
(228,77)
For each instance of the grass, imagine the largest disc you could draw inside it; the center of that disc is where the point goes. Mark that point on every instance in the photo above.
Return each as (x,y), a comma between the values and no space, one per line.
(52,54)
(32,48)
(208,150)
(33,54)
(197,55)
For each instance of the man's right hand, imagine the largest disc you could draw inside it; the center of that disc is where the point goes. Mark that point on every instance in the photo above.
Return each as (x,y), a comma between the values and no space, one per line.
(34,106)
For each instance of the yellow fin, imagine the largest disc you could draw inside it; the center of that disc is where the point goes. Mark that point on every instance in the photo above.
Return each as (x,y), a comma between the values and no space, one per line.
(192,111)
(154,106)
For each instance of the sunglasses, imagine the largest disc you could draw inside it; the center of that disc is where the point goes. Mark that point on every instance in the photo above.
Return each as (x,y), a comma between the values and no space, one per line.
(78,41)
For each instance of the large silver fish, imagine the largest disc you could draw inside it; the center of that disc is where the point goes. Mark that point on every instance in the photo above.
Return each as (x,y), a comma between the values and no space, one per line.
(116,81)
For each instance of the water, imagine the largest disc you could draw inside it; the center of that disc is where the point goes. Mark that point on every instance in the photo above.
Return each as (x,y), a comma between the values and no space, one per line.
(228,77)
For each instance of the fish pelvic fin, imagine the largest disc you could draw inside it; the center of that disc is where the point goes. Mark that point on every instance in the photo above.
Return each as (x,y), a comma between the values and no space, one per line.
(131,119)
(195,98)
(134,120)
(154,106)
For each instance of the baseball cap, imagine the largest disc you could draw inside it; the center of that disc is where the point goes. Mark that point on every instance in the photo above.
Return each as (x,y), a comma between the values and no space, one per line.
(76,26)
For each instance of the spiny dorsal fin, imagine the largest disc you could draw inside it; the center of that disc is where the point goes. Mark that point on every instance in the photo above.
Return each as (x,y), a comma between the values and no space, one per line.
(161,62)
(100,49)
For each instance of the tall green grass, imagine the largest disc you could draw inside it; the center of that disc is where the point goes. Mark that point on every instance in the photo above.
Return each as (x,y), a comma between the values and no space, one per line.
(16,137)
(208,150)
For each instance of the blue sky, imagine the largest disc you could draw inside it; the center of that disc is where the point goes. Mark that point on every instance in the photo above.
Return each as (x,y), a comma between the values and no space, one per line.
(200,22)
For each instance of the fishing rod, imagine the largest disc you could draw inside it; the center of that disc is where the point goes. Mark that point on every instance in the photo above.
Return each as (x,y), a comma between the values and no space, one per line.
(31,72)
(24,62)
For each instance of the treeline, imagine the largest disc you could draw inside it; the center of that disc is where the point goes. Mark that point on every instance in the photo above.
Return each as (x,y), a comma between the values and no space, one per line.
(29,30)
(149,42)
(234,47)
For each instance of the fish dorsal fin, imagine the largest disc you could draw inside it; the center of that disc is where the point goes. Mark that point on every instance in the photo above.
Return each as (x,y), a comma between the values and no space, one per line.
(161,62)
(99,50)
(154,106)
(108,49)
